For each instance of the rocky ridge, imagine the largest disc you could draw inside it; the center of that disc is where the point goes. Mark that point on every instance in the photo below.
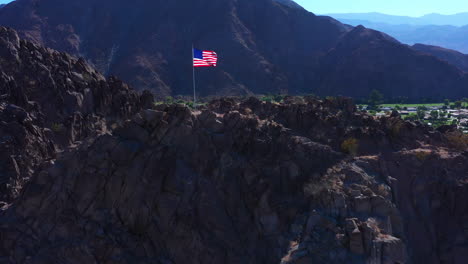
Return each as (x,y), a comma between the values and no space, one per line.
(451,56)
(50,101)
(249,182)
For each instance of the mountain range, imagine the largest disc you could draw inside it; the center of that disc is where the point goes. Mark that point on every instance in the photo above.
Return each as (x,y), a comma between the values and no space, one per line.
(447,36)
(460,19)
(264,47)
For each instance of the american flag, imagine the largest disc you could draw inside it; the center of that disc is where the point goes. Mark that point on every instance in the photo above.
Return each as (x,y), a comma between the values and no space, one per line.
(204,58)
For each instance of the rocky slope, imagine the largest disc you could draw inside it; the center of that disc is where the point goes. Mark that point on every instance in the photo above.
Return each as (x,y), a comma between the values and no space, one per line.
(451,56)
(367,52)
(443,35)
(305,181)
(264,47)
(48,102)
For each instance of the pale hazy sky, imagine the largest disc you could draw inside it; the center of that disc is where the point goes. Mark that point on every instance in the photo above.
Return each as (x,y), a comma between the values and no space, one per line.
(392,7)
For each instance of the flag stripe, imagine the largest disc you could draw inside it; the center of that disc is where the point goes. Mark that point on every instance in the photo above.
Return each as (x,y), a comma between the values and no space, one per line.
(205,58)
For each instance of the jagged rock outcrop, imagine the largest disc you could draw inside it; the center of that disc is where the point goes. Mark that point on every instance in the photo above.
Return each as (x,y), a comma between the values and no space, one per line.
(264,46)
(49,101)
(248,182)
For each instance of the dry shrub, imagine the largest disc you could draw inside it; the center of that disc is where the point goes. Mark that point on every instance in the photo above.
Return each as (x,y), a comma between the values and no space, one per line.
(350,146)
(422,155)
(457,140)
(57,127)
(395,128)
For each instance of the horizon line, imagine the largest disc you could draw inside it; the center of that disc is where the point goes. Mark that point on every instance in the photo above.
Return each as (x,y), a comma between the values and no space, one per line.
(375,12)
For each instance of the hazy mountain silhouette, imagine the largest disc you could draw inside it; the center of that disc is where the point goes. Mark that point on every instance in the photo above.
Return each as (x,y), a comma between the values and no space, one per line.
(264,47)
(460,19)
(451,37)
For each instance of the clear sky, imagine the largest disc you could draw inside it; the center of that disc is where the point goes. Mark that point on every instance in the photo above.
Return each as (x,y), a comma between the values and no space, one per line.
(391,7)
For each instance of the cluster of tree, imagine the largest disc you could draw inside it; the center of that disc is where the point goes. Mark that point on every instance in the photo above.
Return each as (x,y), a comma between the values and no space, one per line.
(457,104)
(179,100)
(376,98)
(436,118)
(273,98)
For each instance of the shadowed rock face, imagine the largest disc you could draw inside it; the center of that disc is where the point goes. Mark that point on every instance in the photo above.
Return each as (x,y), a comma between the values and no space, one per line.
(48,102)
(451,56)
(247,182)
(264,47)
(148,42)
(381,62)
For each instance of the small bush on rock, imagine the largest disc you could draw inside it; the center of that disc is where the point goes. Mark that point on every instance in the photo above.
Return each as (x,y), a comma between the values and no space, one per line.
(350,146)
(57,128)
(457,140)
(422,155)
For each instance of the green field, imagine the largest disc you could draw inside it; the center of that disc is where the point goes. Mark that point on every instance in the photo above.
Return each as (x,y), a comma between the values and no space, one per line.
(416,105)
(412,105)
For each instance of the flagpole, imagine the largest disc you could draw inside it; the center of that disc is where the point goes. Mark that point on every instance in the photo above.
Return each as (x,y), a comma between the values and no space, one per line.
(194,86)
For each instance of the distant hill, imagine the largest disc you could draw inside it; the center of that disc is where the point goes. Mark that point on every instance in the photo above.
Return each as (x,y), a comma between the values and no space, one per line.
(460,19)
(2,5)
(451,37)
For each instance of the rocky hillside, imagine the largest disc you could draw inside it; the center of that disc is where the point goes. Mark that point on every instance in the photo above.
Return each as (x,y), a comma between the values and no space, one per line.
(447,34)
(49,101)
(451,56)
(93,172)
(264,46)
(367,53)
(304,181)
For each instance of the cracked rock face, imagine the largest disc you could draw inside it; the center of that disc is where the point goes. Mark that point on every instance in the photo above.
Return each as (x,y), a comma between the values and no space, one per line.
(49,101)
(247,182)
